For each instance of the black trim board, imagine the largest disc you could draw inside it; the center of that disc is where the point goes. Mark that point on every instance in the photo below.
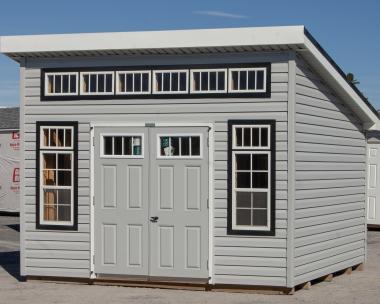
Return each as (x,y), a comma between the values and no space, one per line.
(73,124)
(272,231)
(339,70)
(186,95)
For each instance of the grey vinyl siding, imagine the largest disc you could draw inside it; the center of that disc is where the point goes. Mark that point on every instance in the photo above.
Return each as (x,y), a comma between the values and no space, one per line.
(237,259)
(330,180)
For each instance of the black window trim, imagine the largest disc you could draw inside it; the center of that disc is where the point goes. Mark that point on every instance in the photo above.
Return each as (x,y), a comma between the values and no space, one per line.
(151,68)
(73,124)
(272,123)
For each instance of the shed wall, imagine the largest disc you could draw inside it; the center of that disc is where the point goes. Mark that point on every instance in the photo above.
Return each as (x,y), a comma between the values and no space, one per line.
(330,180)
(237,259)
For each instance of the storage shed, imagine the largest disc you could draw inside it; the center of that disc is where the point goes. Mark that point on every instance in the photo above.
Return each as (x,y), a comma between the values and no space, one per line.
(9,160)
(218,157)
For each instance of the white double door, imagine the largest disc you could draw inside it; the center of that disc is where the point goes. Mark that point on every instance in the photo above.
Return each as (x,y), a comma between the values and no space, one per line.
(151,214)
(373,184)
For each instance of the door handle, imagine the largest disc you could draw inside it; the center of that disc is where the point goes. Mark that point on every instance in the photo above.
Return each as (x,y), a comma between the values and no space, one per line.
(154,219)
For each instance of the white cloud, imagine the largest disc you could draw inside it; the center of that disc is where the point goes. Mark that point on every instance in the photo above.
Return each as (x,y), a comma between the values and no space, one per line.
(221,14)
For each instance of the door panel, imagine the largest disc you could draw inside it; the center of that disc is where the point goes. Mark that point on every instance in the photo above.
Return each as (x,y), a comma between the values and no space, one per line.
(373,185)
(121,208)
(179,193)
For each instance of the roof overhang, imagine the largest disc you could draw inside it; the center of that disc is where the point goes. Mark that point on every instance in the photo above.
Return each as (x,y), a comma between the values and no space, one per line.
(203,41)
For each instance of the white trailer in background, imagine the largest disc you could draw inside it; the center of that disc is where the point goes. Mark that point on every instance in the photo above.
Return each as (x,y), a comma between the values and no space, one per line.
(9,160)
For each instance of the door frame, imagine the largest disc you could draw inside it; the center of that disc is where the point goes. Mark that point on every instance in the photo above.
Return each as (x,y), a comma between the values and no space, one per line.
(210,147)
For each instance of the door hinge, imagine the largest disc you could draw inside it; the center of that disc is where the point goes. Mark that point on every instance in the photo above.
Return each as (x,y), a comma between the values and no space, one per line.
(93,259)
(93,200)
(208,203)
(207,265)
(208,141)
(93,141)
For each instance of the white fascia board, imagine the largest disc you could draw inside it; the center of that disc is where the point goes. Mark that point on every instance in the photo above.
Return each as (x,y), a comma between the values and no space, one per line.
(225,37)
(338,83)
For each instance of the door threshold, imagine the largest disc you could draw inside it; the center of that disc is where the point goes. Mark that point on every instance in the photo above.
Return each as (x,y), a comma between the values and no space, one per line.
(150,279)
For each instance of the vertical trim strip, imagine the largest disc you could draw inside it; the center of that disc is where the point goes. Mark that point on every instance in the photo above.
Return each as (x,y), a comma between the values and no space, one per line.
(23,271)
(291,171)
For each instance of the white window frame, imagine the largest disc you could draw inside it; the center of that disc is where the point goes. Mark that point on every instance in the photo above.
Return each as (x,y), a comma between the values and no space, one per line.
(82,74)
(250,190)
(192,71)
(237,126)
(158,148)
(47,187)
(102,135)
(118,73)
(230,87)
(54,74)
(42,144)
(155,72)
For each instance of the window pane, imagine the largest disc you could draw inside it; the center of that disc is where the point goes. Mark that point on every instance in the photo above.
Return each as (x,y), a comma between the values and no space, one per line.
(64,178)
(196,80)
(65,83)
(53,138)
(204,81)
(64,161)
(129,83)
(50,202)
(243,199)
(73,83)
(127,145)
(175,145)
(212,81)
(251,80)
(243,180)
(195,146)
(64,213)
(49,161)
(174,81)
(264,137)
(259,162)
(145,82)
(61,137)
(46,137)
(50,84)
(57,84)
(64,197)
(243,161)
(259,200)
(185,146)
(159,82)
(243,80)
(259,180)
(68,138)
(109,86)
(165,149)
(137,144)
(107,145)
(166,82)
(92,83)
(243,217)
(238,136)
(260,80)
(101,83)
(247,137)
(259,217)
(118,145)
(221,81)
(86,85)
(255,137)
(122,82)
(182,81)
(49,178)
(137,82)
(235,80)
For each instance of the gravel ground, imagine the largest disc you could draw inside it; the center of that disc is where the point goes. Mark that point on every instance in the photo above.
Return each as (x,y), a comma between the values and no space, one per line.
(359,287)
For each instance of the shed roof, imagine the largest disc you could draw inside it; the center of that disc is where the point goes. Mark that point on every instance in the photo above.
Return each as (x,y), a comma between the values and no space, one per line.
(200,41)
(9,118)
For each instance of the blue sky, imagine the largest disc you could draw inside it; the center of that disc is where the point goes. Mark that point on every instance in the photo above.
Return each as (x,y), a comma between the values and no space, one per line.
(348,30)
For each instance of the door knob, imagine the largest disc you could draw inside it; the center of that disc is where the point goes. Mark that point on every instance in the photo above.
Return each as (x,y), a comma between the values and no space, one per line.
(154,219)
